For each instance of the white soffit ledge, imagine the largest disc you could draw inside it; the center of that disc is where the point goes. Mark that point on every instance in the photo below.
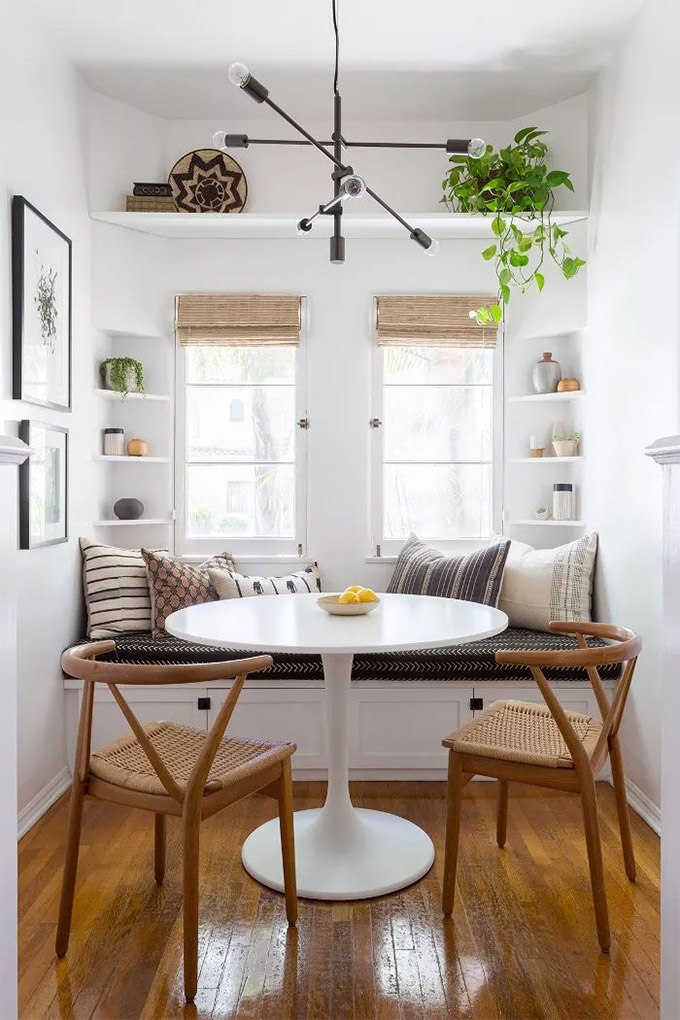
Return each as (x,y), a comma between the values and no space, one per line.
(665,450)
(13,450)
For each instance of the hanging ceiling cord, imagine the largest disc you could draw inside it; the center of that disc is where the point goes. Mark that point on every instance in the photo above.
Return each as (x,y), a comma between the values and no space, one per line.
(337,48)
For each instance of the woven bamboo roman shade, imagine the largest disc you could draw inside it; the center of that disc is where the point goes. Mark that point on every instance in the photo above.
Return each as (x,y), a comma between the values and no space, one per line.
(432,320)
(226,320)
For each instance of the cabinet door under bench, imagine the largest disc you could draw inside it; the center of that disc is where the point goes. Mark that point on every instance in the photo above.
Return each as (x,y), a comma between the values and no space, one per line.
(179,703)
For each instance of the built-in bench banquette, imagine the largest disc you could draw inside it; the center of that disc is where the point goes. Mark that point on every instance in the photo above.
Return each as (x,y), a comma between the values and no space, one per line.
(402,702)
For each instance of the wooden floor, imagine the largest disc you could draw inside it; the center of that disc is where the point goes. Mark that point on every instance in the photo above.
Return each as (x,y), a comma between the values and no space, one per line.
(521,943)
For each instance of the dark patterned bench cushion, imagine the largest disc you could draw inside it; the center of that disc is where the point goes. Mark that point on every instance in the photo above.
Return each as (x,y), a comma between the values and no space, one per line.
(473,662)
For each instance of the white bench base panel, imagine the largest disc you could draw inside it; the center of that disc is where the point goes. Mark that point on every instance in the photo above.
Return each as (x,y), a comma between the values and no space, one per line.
(396,728)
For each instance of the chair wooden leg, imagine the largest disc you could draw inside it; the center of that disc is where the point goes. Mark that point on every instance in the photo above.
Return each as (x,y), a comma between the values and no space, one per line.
(288,841)
(192,827)
(502,817)
(622,810)
(592,827)
(159,847)
(453,810)
(68,881)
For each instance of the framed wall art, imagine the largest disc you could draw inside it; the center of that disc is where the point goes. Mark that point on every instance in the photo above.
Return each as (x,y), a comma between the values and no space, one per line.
(41,309)
(43,486)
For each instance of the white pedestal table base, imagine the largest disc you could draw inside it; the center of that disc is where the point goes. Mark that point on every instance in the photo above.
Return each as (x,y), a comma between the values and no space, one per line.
(341,852)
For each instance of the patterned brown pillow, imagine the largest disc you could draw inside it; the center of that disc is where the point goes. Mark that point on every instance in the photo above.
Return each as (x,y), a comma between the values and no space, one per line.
(175,584)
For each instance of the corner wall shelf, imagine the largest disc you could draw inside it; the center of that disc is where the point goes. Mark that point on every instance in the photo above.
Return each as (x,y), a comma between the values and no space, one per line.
(139,521)
(545,460)
(129,334)
(131,460)
(547,398)
(116,395)
(548,335)
(549,524)
(282,225)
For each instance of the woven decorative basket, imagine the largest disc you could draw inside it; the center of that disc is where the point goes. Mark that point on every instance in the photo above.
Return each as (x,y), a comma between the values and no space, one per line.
(146,203)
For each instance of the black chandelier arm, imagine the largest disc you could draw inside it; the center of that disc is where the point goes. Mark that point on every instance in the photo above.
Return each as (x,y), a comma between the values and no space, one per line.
(390,210)
(243,141)
(310,138)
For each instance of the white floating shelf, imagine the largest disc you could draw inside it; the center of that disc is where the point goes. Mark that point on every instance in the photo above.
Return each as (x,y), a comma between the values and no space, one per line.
(115,395)
(554,334)
(547,398)
(260,225)
(550,524)
(545,460)
(131,460)
(129,334)
(139,521)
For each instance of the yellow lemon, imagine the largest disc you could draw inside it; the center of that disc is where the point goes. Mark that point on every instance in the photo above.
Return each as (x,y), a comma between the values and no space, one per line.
(367,595)
(356,588)
(348,597)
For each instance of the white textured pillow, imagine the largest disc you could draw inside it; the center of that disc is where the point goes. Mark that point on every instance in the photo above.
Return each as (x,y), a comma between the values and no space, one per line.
(540,585)
(230,585)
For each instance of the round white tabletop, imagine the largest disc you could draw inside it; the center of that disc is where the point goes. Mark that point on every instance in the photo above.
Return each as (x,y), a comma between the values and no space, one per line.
(341,853)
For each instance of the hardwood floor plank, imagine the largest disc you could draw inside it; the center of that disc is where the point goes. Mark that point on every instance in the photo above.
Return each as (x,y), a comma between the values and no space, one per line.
(521,942)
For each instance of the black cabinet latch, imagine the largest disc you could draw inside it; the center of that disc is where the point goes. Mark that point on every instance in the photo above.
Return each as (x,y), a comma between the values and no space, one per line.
(204,703)
(476,704)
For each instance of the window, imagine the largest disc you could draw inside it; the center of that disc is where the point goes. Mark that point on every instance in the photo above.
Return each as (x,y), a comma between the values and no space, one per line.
(241,454)
(433,449)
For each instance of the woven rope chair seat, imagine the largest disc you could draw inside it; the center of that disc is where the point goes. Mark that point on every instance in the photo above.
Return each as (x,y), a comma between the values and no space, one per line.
(524,732)
(124,763)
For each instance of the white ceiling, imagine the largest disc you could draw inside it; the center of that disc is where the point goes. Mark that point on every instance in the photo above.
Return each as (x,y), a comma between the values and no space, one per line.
(493,59)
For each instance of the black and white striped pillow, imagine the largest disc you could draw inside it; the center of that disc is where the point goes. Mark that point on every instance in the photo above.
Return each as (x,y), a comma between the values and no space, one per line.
(474,577)
(116,589)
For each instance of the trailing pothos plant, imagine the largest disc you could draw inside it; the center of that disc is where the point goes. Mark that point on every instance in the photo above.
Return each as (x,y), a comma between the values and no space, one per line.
(515,186)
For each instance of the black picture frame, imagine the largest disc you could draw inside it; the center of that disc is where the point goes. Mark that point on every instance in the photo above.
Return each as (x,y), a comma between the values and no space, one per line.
(57,489)
(27,225)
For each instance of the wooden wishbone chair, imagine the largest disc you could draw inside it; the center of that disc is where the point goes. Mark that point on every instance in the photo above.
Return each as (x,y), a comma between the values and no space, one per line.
(515,741)
(172,770)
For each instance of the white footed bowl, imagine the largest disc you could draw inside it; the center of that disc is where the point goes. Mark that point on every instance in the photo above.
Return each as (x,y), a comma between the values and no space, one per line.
(330,604)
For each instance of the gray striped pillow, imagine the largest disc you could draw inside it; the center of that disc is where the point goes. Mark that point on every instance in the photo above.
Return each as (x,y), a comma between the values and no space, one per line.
(116,589)
(474,577)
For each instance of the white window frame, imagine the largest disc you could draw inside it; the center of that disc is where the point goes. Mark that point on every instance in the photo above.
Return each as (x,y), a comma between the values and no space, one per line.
(244,548)
(388,548)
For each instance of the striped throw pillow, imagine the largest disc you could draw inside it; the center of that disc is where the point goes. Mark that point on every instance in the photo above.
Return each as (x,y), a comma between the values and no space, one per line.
(474,577)
(116,590)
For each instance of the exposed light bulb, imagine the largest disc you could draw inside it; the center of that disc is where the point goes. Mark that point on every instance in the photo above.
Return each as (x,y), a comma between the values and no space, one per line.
(354,186)
(238,74)
(433,247)
(218,140)
(476,148)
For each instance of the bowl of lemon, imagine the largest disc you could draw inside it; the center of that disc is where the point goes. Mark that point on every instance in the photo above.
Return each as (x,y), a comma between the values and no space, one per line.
(353,601)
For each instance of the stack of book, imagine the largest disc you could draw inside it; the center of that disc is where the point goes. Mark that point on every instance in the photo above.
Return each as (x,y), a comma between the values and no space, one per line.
(150,198)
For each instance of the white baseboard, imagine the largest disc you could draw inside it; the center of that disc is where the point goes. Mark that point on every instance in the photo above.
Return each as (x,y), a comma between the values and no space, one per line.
(43,800)
(643,806)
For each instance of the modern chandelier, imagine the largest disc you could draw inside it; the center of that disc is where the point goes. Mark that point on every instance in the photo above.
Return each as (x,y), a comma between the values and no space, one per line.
(346,184)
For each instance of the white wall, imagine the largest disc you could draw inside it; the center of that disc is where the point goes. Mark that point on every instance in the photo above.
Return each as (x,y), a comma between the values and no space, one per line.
(42,131)
(630,348)
(339,347)
(127,145)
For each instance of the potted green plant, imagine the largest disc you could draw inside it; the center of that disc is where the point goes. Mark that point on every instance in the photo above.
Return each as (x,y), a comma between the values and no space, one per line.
(125,375)
(565,445)
(516,187)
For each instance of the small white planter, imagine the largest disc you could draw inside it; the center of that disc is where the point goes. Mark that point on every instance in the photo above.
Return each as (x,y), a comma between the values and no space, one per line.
(130,380)
(565,447)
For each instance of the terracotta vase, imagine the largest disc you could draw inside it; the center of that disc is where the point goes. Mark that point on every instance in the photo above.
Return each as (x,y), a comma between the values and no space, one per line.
(137,448)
